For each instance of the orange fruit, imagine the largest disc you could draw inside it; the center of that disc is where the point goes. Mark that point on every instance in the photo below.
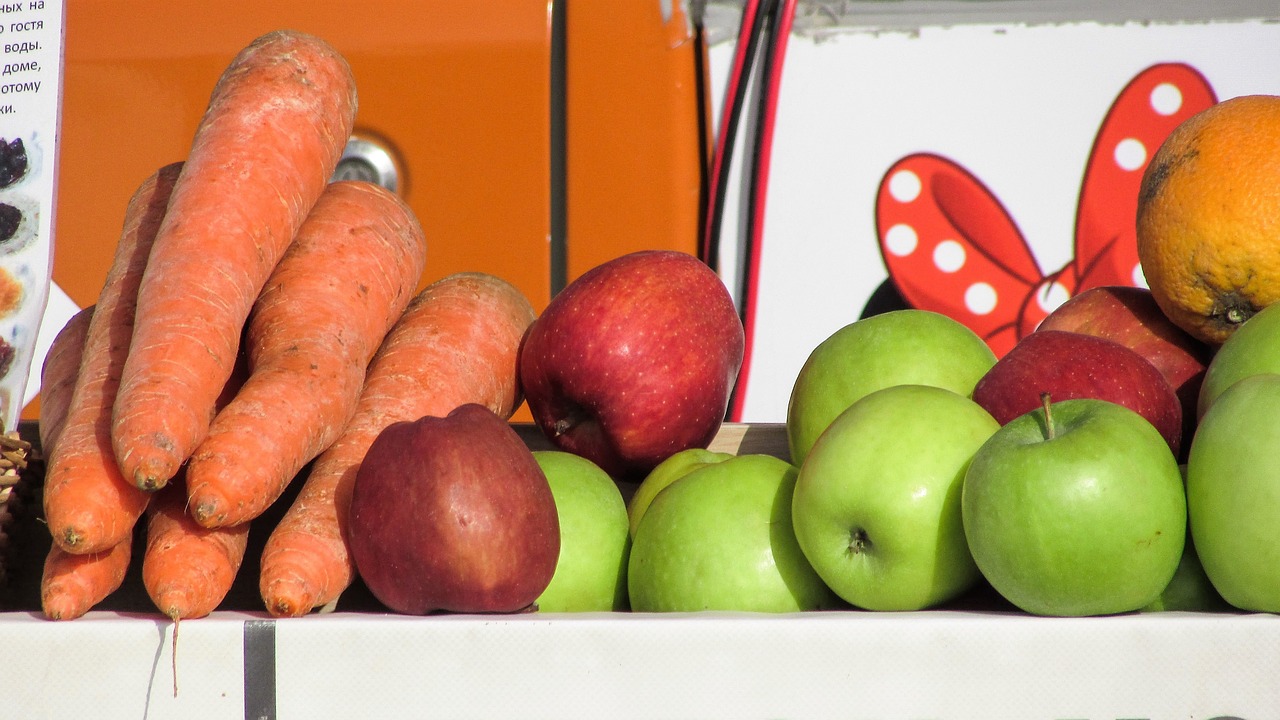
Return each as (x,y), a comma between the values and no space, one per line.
(1209,217)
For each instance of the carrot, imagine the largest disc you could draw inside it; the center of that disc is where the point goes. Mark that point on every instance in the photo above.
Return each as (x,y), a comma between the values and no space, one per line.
(276,125)
(341,285)
(89,505)
(72,584)
(58,376)
(456,343)
(187,569)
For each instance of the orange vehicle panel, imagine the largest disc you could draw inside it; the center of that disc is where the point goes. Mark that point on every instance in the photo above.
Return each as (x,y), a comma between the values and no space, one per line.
(635,159)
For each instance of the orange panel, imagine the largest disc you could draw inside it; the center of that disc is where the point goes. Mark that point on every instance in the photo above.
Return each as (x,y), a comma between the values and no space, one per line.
(634,164)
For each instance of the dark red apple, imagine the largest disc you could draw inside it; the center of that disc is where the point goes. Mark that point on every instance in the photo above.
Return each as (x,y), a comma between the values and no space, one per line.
(453,514)
(1131,317)
(634,361)
(1070,365)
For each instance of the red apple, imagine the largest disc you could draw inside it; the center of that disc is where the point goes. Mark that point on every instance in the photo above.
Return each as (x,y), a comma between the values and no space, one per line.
(1131,317)
(1069,365)
(634,361)
(453,514)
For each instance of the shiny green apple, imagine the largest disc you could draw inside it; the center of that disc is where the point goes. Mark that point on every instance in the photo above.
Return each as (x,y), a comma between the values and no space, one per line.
(1078,513)
(667,472)
(720,538)
(591,571)
(877,501)
(1233,492)
(902,347)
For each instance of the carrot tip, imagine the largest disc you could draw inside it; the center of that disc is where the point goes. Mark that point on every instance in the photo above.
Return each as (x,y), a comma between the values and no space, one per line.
(149,483)
(207,513)
(63,609)
(55,614)
(283,608)
(292,600)
(69,539)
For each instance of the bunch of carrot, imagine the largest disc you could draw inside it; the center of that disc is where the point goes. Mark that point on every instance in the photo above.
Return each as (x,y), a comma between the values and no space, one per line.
(257,319)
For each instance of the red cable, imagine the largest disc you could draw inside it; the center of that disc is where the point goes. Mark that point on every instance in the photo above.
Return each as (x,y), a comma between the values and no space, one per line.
(773,83)
(743,49)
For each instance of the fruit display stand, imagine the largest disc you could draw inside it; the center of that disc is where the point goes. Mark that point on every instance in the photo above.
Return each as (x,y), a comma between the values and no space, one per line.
(974,658)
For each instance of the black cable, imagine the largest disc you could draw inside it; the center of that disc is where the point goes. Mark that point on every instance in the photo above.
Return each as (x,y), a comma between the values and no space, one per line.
(754,15)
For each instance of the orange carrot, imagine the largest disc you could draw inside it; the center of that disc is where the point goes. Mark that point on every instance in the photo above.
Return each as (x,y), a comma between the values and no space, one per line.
(187,569)
(72,584)
(90,507)
(58,376)
(341,285)
(276,124)
(456,343)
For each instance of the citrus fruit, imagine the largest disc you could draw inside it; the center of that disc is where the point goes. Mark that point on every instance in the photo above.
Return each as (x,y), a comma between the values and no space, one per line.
(1209,217)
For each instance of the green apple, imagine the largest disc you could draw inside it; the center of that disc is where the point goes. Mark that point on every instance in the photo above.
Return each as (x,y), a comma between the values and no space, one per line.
(877,501)
(1076,508)
(720,538)
(1190,588)
(903,347)
(1233,492)
(1253,349)
(591,571)
(667,472)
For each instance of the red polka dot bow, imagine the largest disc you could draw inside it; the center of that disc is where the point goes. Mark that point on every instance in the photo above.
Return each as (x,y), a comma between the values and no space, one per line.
(951,247)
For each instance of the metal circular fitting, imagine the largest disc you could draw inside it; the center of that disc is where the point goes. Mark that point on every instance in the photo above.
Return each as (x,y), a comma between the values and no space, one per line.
(368,160)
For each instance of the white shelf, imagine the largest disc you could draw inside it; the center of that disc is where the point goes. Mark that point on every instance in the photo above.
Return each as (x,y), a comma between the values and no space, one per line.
(848,664)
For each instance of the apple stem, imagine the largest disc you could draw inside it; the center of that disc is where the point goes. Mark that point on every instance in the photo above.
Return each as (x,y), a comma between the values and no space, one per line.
(571,419)
(858,541)
(1048,416)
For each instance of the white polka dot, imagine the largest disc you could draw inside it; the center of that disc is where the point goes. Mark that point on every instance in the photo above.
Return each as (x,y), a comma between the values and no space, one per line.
(904,186)
(980,298)
(1050,295)
(1131,154)
(1139,277)
(949,256)
(1166,98)
(901,240)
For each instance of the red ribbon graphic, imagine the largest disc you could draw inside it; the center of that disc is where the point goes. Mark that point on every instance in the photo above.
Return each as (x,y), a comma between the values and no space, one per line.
(950,246)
